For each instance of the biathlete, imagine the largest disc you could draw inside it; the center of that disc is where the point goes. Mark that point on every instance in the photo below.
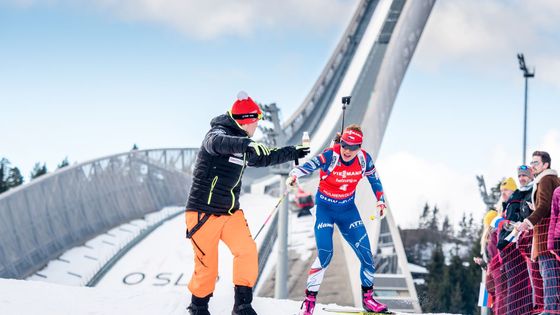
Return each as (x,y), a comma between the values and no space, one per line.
(341,168)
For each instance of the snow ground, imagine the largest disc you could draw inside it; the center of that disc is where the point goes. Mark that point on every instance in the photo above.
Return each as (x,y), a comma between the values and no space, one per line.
(20,297)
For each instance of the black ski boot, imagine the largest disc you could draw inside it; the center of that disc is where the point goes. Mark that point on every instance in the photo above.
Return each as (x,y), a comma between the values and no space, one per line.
(199,306)
(243,299)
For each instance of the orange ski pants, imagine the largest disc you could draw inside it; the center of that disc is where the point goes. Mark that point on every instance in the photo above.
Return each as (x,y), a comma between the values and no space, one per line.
(234,232)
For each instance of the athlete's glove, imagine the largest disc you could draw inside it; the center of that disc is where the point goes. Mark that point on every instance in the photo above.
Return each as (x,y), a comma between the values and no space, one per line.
(336,139)
(291,181)
(380,210)
(302,150)
(259,148)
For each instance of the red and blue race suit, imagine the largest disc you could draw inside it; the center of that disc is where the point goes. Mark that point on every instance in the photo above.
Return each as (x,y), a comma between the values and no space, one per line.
(335,205)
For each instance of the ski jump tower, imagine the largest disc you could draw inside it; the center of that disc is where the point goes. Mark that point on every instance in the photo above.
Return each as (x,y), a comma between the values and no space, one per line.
(70,206)
(369,64)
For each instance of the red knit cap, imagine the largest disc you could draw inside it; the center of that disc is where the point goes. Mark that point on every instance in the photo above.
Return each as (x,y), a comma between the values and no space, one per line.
(352,137)
(245,110)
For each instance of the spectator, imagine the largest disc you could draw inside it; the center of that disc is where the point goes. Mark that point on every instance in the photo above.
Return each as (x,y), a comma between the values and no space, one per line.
(507,187)
(519,296)
(495,279)
(546,182)
(553,244)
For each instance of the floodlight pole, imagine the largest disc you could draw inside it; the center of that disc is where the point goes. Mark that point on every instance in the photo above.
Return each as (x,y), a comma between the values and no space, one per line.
(526,74)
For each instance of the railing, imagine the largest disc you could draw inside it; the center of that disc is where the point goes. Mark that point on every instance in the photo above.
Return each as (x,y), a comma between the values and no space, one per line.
(308,115)
(55,212)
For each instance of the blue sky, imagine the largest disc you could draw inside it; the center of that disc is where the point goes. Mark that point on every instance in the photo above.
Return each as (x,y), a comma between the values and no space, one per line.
(89,84)
(85,79)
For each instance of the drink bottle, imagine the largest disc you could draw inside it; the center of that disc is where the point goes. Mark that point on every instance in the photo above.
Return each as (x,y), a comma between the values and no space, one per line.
(305,140)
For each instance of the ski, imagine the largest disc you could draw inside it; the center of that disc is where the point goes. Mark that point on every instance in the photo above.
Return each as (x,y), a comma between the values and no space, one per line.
(356,312)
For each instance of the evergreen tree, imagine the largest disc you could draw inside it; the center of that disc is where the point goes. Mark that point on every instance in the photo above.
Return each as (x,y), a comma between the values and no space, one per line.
(434,221)
(452,288)
(64,163)
(473,278)
(463,227)
(134,147)
(14,178)
(4,170)
(435,298)
(423,222)
(38,170)
(445,290)
(457,304)
(457,275)
(473,229)
(449,288)
(446,228)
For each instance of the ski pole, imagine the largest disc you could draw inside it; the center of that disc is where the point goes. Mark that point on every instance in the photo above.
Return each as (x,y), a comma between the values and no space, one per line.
(272,212)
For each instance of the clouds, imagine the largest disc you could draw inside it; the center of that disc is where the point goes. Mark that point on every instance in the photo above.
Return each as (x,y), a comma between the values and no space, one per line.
(211,19)
(488,35)
(410,180)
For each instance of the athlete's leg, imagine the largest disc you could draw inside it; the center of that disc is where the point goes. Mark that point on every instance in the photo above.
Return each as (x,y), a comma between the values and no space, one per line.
(324,225)
(354,232)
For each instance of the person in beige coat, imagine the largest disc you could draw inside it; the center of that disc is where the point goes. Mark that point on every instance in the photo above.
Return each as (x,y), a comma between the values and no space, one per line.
(545,183)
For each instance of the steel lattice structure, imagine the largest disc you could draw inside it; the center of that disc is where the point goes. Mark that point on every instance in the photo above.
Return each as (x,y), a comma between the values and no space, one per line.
(55,212)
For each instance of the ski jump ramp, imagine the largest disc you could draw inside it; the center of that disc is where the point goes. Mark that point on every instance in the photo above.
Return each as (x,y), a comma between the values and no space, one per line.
(68,207)
(369,64)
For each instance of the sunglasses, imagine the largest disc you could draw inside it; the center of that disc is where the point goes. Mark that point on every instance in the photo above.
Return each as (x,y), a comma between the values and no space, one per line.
(524,167)
(351,147)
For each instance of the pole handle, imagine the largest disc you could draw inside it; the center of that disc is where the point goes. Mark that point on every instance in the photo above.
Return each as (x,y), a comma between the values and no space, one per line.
(342,125)
(345,101)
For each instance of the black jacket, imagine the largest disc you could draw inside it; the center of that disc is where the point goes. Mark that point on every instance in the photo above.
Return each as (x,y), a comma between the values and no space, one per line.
(516,209)
(220,163)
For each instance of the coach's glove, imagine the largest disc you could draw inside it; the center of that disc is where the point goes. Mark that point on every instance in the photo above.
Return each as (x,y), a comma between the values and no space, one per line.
(302,150)
(380,210)
(259,148)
